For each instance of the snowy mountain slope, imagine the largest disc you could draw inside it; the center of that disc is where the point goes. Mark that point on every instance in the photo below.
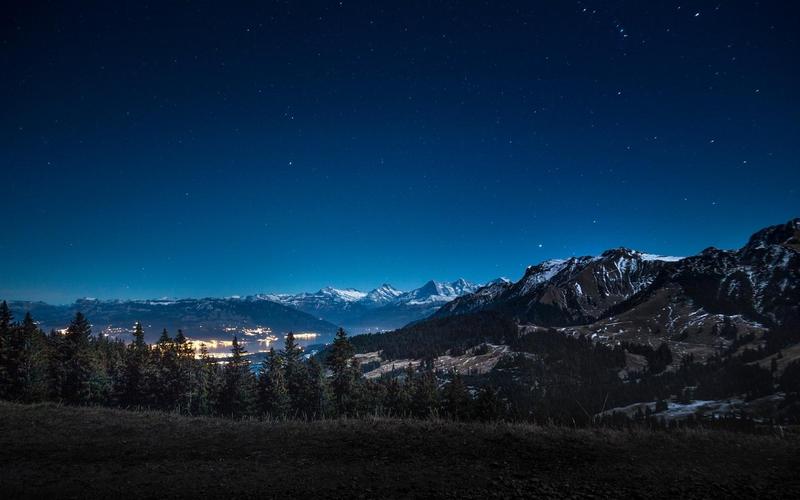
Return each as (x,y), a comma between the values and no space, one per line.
(761,280)
(383,308)
(572,291)
(324,303)
(436,293)
(477,300)
(699,305)
(384,294)
(713,301)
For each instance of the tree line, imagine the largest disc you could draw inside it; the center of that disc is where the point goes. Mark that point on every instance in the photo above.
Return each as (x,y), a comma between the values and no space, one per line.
(551,377)
(80,368)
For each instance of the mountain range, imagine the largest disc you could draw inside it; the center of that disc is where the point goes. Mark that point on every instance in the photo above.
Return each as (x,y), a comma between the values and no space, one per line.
(384,308)
(697,304)
(321,312)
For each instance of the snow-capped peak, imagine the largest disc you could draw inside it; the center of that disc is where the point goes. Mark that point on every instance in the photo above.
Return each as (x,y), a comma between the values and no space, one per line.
(431,293)
(436,292)
(540,273)
(628,253)
(662,258)
(462,286)
(346,294)
(383,294)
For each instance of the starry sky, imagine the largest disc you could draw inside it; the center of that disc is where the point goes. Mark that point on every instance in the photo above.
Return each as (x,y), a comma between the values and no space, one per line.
(190,149)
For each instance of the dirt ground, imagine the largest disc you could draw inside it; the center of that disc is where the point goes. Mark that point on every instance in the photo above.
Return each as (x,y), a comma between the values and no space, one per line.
(62,452)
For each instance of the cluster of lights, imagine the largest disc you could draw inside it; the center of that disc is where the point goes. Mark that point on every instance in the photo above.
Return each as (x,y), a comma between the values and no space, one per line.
(218,348)
(258,330)
(250,332)
(112,331)
(211,343)
(305,335)
(268,339)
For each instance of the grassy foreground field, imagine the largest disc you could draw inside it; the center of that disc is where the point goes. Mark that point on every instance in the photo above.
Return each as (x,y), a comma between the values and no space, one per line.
(47,450)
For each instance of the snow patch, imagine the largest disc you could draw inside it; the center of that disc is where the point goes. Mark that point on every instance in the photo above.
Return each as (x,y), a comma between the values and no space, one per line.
(662,258)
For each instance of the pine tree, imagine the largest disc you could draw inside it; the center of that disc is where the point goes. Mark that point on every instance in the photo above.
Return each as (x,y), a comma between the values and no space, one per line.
(273,394)
(291,351)
(316,390)
(184,372)
(138,338)
(56,365)
(6,327)
(237,355)
(111,358)
(180,338)
(339,361)
(28,371)
(238,389)
(456,398)
(296,374)
(80,371)
(166,387)
(14,360)
(424,396)
(6,318)
(359,390)
(164,340)
(205,384)
(396,400)
(133,384)
(487,405)
(101,384)
(79,331)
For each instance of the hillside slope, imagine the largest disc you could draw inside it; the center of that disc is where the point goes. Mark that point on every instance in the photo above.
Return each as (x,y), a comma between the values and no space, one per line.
(47,450)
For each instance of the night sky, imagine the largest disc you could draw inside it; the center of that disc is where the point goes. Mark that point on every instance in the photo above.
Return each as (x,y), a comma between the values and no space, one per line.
(186,149)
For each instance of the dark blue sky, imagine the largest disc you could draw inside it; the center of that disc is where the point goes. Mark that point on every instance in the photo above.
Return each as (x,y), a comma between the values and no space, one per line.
(185,149)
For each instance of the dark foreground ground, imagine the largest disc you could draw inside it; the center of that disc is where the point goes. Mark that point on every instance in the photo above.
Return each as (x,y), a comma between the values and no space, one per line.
(47,450)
